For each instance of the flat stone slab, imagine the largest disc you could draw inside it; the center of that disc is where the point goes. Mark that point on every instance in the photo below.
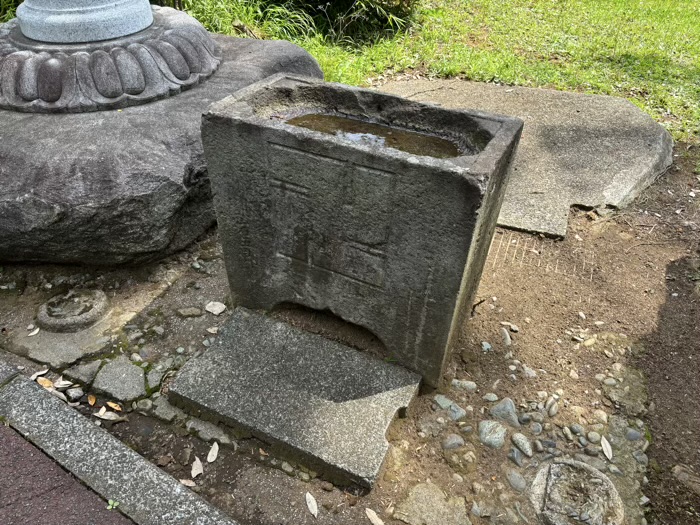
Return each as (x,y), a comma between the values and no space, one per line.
(121,379)
(127,186)
(575,150)
(145,493)
(316,400)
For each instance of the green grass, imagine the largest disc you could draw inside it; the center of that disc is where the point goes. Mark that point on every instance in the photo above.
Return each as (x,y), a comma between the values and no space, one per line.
(645,50)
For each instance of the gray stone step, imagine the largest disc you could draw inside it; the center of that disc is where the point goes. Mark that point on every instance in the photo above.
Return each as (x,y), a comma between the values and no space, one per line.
(316,401)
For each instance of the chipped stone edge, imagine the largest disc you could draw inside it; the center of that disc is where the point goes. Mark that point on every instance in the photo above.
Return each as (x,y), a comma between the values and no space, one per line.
(146,494)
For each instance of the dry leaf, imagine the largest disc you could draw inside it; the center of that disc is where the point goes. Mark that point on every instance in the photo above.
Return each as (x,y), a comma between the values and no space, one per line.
(102,411)
(33,332)
(46,383)
(59,395)
(114,406)
(39,373)
(62,384)
(263,453)
(311,503)
(197,467)
(109,416)
(188,483)
(373,518)
(213,453)
(92,400)
(607,449)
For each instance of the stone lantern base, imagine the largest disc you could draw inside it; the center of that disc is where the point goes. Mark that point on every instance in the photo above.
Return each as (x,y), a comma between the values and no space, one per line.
(121,186)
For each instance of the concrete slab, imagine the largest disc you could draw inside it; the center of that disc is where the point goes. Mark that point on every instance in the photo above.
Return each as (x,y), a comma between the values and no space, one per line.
(576,149)
(146,494)
(315,400)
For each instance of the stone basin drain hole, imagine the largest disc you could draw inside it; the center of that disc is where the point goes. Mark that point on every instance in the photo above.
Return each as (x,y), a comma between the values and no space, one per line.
(331,326)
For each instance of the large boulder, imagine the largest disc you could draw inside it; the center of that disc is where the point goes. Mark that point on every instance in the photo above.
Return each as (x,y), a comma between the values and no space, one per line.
(122,186)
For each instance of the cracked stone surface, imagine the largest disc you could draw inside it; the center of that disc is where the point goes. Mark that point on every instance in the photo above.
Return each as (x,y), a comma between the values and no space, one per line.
(120,379)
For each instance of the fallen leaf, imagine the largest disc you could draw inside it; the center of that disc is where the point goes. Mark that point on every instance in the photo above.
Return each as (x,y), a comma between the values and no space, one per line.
(114,406)
(188,483)
(46,383)
(213,453)
(102,411)
(607,449)
(92,400)
(311,503)
(39,373)
(197,467)
(33,332)
(109,416)
(59,395)
(263,453)
(62,384)
(373,518)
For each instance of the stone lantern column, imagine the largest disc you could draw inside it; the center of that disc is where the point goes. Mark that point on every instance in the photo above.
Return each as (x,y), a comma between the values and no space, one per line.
(78,21)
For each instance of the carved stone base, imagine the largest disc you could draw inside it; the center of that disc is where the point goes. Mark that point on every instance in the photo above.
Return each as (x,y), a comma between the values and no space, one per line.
(172,55)
(126,186)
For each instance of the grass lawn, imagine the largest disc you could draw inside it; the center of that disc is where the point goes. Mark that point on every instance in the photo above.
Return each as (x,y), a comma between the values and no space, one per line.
(645,50)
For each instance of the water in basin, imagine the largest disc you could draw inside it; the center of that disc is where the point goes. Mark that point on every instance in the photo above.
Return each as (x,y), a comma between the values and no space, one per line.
(378,135)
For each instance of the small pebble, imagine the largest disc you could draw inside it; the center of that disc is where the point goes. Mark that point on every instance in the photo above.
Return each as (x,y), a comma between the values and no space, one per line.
(614,470)
(506,337)
(593,437)
(529,372)
(443,402)
(452,441)
(576,429)
(523,444)
(467,386)
(553,410)
(567,434)
(609,381)
(516,480)
(490,397)
(536,428)
(633,434)
(74,394)
(516,456)
(641,457)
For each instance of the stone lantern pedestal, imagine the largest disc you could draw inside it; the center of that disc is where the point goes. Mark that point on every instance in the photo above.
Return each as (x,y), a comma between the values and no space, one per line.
(100,105)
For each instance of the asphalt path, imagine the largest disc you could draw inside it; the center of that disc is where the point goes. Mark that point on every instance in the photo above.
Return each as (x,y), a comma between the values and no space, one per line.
(34,489)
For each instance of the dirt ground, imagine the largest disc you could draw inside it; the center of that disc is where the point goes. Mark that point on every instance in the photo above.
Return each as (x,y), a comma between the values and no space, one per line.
(628,280)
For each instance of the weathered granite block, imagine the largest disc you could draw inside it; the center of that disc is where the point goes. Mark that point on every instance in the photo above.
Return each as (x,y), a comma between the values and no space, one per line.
(388,240)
